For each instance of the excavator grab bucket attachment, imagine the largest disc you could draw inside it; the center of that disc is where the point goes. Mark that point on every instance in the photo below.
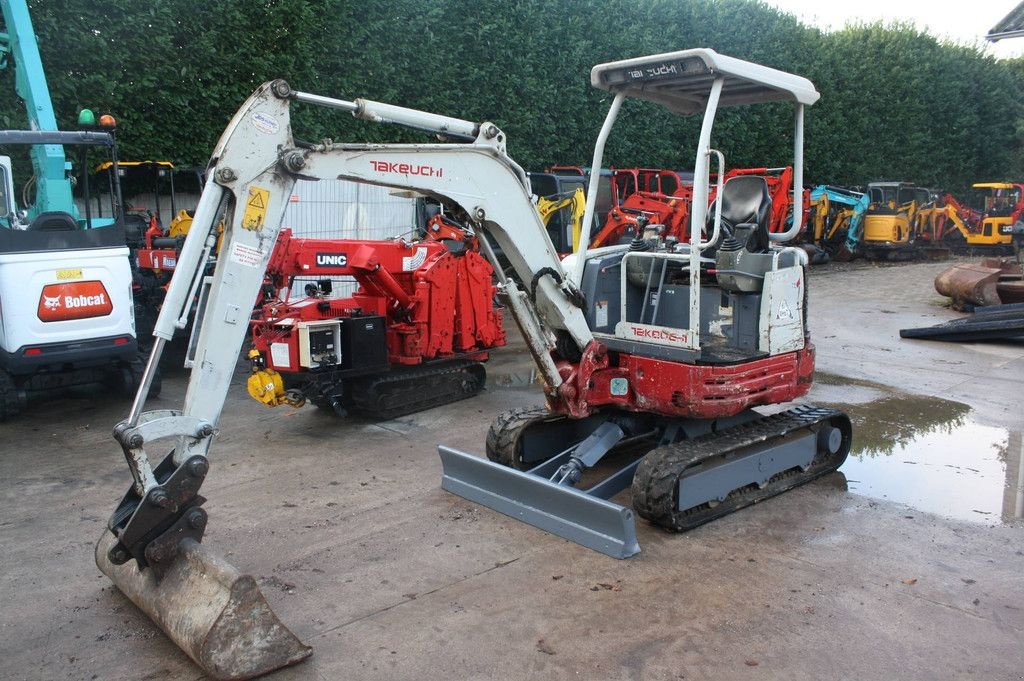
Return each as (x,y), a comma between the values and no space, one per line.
(584,517)
(216,615)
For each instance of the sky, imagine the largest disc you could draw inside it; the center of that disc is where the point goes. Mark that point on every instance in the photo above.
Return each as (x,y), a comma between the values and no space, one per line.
(958,20)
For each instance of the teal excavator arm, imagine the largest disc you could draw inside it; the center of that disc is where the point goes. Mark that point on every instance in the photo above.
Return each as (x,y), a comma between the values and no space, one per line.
(854,200)
(53,188)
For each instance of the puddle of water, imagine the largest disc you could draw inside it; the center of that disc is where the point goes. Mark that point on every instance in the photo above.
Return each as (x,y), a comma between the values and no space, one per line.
(927,453)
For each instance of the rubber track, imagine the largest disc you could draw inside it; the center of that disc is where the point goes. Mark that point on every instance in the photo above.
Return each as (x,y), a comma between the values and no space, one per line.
(505,431)
(657,478)
(399,393)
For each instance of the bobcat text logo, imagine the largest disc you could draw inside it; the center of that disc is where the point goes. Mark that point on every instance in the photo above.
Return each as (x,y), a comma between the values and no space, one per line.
(332,260)
(406,169)
(76,300)
(85,301)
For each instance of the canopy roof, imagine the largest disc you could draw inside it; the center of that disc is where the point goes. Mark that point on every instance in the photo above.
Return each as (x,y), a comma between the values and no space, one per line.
(74,137)
(994,185)
(682,80)
(135,164)
(1010,26)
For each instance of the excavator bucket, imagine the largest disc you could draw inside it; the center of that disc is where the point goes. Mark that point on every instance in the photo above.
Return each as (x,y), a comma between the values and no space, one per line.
(211,611)
(969,283)
(584,517)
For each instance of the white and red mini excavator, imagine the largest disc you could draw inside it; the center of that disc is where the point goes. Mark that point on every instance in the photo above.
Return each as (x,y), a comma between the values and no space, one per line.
(653,354)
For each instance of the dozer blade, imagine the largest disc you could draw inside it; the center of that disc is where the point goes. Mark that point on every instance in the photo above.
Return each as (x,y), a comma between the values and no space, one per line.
(583,518)
(216,615)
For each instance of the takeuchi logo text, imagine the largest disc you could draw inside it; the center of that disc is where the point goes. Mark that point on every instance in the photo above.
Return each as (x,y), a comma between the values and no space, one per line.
(658,334)
(74,300)
(397,168)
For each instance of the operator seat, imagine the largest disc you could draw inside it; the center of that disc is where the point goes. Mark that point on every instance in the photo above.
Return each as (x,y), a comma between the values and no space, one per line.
(135,227)
(53,221)
(744,253)
(746,201)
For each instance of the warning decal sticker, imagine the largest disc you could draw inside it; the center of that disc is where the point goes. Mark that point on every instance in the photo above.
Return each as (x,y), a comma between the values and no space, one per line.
(246,255)
(413,262)
(255,215)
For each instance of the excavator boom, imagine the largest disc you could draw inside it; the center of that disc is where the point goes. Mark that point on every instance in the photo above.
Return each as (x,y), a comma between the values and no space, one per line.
(152,549)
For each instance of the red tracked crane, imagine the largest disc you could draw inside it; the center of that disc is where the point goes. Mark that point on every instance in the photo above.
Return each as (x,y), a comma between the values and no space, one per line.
(413,335)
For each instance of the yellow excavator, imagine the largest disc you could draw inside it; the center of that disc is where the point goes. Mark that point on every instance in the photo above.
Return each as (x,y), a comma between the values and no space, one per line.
(1001,204)
(985,223)
(576,202)
(835,218)
(153,180)
(892,219)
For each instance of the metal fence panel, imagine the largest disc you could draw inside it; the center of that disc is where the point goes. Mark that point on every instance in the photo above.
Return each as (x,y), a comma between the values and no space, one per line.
(338,209)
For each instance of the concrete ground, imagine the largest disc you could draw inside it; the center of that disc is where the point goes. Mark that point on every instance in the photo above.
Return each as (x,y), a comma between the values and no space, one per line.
(364,556)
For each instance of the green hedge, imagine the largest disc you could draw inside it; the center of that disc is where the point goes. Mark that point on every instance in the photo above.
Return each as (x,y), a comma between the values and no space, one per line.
(896,104)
